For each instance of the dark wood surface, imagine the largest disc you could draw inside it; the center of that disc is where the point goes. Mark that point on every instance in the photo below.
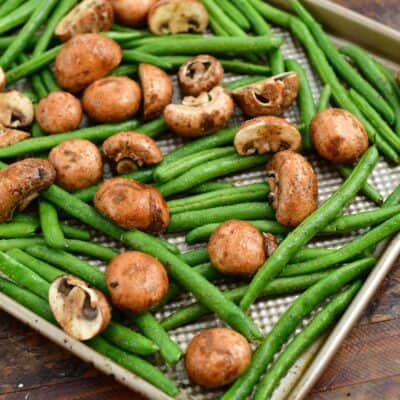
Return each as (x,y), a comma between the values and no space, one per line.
(367,367)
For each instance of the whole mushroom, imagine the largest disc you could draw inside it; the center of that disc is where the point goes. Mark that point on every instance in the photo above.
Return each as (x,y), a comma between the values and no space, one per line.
(136,281)
(131,150)
(131,205)
(294,187)
(11,136)
(16,110)
(82,311)
(132,12)
(338,136)
(78,164)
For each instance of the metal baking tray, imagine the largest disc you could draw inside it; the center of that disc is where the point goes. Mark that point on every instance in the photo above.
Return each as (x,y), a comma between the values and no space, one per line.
(344,25)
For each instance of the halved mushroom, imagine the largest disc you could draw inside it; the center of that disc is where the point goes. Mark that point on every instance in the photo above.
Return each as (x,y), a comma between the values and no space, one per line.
(177,16)
(200,74)
(3,80)
(157,90)
(271,96)
(294,187)
(132,12)
(82,311)
(202,115)
(16,109)
(21,182)
(266,134)
(11,136)
(131,150)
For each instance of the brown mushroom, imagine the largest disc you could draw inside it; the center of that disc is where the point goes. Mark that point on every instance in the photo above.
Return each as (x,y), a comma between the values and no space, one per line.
(270,96)
(266,134)
(200,74)
(157,90)
(112,99)
(177,16)
(136,281)
(338,135)
(132,12)
(82,311)
(3,80)
(11,136)
(16,110)
(78,164)
(216,357)
(21,182)
(131,150)
(202,115)
(89,16)
(59,112)
(84,59)
(131,205)
(294,187)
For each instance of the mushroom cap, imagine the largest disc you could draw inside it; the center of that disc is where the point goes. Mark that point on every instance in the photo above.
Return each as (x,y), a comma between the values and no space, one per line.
(338,135)
(16,109)
(266,134)
(82,311)
(237,247)
(136,281)
(89,16)
(200,74)
(59,112)
(216,357)
(3,80)
(11,136)
(130,150)
(78,164)
(157,90)
(131,205)
(84,59)
(294,187)
(202,115)
(177,16)
(21,182)
(132,12)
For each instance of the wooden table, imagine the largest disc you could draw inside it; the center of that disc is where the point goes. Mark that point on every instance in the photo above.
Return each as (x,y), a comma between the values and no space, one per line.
(367,367)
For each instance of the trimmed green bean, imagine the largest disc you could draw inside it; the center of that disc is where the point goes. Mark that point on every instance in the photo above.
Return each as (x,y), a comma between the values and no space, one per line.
(73,232)
(9,6)
(123,37)
(17,229)
(91,249)
(125,70)
(324,97)
(196,256)
(151,40)
(142,56)
(18,16)
(390,77)
(248,80)
(216,27)
(52,232)
(36,130)
(23,243)
(38,86)
(49,81)
(309,253)
(393,199)
(211,187)
(234,14)
(271,13)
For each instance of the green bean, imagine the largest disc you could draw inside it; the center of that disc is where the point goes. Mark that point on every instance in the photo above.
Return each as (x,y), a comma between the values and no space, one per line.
(31,96)
(52,232)
(234,14)
(142,56)
(211,187)
(152,40)
(289,321)
(94,250)
(196,256)
(6,41)
(248,80)
(393,199)
(216,27)
(38,86)
(324,97)
(18,16)
(9,6)
(23,243)
(390,77)
(271,13)
(49,81)
(17,229)
(318,325)
(73,232)
(310,227)
(310,253)
(122,28)
(203,290)
(123,37)
(125,70)
(36,130)
(210,170)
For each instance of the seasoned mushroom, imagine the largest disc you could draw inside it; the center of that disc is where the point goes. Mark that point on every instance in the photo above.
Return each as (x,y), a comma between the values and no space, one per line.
(131,205)
(200,74)
(157,90)
(3,80)
(112,99)
(84,59)
(16,110)
(21,182)
(294,187)
(131,150)
(132,12)
(266,134)
(78,164)
(202,115)
(136,281)
(271,96)
(89,16)
(338,135)
(177,16)
(216,357)
(59,112)
(82,311)
(11,136)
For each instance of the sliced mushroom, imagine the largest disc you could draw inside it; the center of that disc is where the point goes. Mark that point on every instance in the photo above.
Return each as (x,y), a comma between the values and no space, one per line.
(82,311)
(266,134)
(200,74)
(271,96)
(177,16)
(157,90)
(202,115)
(21,182)
(132,12)
(294,187)
(16,110)
(131,150)
(11,136)
(3,80)
(89,16)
